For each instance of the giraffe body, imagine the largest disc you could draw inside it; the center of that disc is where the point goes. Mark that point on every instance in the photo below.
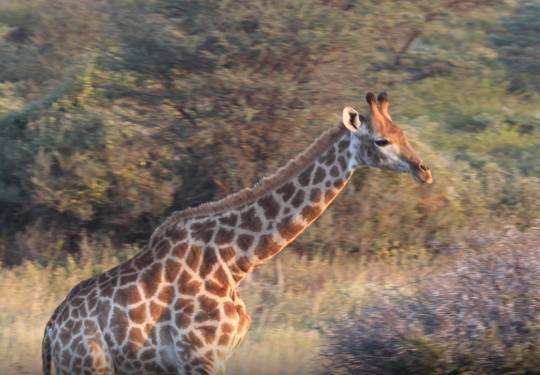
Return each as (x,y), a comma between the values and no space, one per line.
(174,308)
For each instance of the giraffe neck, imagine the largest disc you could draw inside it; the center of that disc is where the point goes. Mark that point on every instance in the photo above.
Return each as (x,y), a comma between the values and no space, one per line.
(251,234)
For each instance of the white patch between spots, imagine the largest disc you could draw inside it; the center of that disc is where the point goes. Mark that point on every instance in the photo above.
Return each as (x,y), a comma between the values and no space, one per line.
(354,146)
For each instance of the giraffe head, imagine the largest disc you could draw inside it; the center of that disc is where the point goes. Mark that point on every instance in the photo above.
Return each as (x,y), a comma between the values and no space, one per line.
(382,144)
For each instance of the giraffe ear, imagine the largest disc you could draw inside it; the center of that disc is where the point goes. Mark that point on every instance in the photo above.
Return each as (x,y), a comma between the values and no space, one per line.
(351,119)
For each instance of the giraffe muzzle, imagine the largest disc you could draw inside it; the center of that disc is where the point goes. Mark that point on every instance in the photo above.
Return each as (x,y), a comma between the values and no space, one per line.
(421,173)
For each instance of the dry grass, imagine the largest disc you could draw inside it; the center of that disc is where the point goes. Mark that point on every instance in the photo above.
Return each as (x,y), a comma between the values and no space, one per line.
(289,323)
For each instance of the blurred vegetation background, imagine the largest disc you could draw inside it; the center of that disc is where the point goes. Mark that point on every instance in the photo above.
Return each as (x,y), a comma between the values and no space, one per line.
(113,114)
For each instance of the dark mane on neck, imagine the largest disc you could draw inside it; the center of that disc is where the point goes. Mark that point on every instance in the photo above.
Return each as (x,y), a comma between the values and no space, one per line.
(263,187)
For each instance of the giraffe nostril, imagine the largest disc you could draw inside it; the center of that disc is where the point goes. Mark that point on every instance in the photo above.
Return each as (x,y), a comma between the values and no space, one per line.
(423,167)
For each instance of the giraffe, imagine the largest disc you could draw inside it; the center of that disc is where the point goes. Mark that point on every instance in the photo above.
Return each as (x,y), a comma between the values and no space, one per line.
(174,308)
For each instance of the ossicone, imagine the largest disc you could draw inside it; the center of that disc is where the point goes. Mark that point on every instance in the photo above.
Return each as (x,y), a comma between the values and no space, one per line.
(383,97)
(370,98)
(383,101)
(372,101)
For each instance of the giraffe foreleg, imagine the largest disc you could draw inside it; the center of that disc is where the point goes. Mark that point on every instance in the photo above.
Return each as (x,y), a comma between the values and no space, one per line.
(85,354)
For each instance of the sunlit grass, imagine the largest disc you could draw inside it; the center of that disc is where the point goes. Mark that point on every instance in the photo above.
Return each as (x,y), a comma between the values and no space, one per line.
(279,350)
(288,322)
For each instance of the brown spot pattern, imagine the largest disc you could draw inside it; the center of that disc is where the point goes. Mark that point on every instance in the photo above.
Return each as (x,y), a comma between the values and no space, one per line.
(338,183)
(107,291)
(127,296)
(298,198)
(289,229)
(329,157)
(224,339)
(266,247)
(143,259)
(172,268)
(162,248)
(176,235)
(154,368)
(343,145)
(208,310)
(230,312)
(167,294)
(342,163)
(77,301)
(119,325)
(326,155)
(203,231)
(184,308)
(330,160)
(104,308)
(209,261)
(82,311)
(154,240)
(130,278)
(334,171)
(220,276)
(179,250)
(89,328)
(242,265)
(224,236)
(320,174)
(194,340)
(310,213)
(159,312)
(250,220)
(244,242)
(218,289)
(187,286)
(194,257)
(315,195)
(147,355)
(151,279)
(286,191)
(138,314)
(305,177)
(227,253)
(328,196)
(270,206)
(229,220)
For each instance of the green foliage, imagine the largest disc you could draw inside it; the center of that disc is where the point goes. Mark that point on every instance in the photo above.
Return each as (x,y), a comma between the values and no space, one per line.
(238,75)
(517,41)
(88,165)
(423,39)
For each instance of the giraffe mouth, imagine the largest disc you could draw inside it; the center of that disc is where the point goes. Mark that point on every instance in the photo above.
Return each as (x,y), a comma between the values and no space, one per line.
(422,177)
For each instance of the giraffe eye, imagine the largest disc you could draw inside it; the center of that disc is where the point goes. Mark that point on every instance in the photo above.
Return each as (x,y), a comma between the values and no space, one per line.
(381,142)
